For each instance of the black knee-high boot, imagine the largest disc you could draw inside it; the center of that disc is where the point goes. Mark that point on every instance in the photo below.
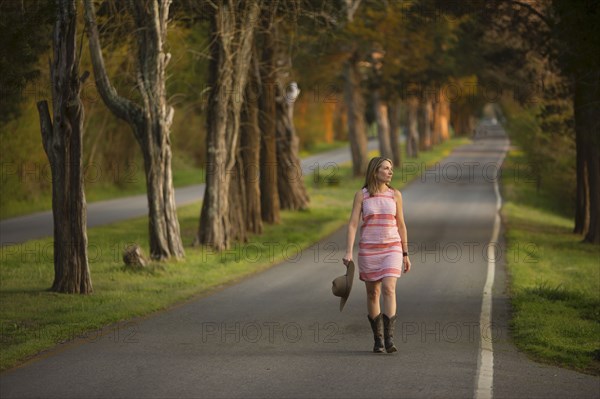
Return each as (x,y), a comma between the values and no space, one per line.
(377,327)
(388,333)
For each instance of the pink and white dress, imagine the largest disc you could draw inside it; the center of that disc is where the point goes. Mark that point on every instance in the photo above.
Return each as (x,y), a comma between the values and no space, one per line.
(380,245)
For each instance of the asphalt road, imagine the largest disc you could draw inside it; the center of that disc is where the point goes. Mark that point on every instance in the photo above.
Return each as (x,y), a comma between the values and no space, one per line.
(279,334)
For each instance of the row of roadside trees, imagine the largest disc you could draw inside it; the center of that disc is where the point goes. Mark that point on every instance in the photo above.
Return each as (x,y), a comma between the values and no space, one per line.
(390,57)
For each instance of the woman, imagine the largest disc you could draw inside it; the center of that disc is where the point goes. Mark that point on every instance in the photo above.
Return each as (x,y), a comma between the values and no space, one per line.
(383,248)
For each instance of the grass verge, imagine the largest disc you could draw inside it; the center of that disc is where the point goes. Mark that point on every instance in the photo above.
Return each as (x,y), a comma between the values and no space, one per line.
(554,277)
(34,319)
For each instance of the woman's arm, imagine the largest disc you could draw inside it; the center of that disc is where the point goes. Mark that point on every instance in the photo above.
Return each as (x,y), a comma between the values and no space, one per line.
(353,225)
(402,229)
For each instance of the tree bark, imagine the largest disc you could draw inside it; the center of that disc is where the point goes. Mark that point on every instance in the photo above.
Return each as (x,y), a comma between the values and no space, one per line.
(436,125)
(412,142)
(582,205)
(425,122)
(444,119)
(237,200)
(232,36)
(62,142)
(462,118)
(250,142)
(588,92)
(593,156)
(355,107)
(329,109)
(270,206)
(383,127)
(292,192)
(151,121)
(393,113)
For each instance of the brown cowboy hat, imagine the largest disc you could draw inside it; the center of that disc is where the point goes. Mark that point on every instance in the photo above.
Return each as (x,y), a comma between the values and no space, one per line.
(342,285)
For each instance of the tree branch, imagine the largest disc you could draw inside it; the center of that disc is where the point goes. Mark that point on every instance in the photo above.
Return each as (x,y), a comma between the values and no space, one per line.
(533,11)
(120,106)
(351,7)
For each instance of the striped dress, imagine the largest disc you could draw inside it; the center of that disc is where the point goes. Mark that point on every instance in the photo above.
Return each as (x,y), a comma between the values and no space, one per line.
(380,246)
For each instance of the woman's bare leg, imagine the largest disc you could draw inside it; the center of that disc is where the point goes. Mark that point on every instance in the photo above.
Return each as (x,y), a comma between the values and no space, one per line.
(389,295)
(373,294)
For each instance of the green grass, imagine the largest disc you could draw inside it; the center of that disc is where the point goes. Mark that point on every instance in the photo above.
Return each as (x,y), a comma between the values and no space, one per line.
(34,319)
(555,278)
(322,147)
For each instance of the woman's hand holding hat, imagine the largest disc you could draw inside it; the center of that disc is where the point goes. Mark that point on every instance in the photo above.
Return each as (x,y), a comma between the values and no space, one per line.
(347,258)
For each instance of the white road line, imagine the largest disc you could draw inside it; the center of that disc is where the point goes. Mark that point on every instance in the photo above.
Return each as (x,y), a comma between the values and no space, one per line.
(485,362)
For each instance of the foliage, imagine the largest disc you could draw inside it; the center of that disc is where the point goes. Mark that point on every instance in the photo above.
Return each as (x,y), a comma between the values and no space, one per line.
(26,32)
(545,136)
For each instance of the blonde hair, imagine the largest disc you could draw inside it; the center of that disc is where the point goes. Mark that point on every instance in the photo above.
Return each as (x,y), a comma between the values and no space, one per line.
(370,180)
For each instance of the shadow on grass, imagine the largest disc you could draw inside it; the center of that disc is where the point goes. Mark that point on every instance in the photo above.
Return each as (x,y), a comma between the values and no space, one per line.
(26,291)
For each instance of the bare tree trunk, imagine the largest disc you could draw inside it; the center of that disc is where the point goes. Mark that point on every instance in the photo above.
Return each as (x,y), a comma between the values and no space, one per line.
(582,205)
(270,206)
(151,121)
(588,92)
(444,119)
(436,125)
(329,109)
(461,118)
(292,192)
(232,36)
(393,114)
(425,120)
(593,155)
(355,106)
(383,127)
(237,200)
(62,141)
(412,142)
(250,142)
(351,7)
(291,189)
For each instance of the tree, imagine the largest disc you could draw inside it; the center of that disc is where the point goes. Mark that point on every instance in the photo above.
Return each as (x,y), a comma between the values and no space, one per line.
(355,106)
(380,104)
(62,140)
(353,97)
(232,36)
(250,148)
(577,29)
(290,184)
(327,36)
(151,120)
(412,136)
(270,206)
(566,34)
(292,192)
(417,46)
(394,121)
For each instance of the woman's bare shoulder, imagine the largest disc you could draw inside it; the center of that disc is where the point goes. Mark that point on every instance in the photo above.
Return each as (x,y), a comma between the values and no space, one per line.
(359,195)
(397,194)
